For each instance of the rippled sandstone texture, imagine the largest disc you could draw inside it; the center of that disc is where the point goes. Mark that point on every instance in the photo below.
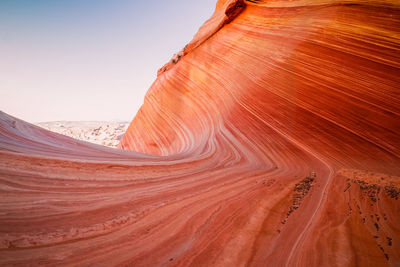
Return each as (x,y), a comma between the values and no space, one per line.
(272,139)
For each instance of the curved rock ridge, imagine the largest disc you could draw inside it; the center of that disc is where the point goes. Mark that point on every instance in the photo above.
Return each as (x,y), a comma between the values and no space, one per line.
(225,12)
(272,141)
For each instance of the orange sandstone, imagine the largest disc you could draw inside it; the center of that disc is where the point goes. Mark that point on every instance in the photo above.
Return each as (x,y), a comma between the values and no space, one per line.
(271,139)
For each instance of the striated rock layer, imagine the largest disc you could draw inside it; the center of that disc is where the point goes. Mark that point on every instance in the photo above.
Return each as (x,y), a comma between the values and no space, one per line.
(271,139)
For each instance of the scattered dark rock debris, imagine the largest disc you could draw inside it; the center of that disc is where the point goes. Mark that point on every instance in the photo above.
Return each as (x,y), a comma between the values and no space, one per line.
(279,231)
(300,191)
(384,217)
(347,188)
(392,191)
(376,226)
(383,250)
(350,209)
(270,182)
(171,259)
(371,190)
(363,185)
(386,256)
(375,236)
(363,220)
(389,239)
(359,209)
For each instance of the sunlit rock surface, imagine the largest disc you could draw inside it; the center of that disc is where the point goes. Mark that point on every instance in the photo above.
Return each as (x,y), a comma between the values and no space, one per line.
(105,133)
(271,140)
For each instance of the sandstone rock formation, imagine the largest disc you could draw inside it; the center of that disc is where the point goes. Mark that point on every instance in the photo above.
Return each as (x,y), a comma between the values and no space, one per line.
(272,141)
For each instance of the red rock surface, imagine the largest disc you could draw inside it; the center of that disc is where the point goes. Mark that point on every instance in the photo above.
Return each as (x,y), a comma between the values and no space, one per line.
(272,141)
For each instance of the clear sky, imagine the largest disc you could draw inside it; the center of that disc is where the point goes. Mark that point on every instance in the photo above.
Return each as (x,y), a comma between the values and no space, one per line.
(88,59)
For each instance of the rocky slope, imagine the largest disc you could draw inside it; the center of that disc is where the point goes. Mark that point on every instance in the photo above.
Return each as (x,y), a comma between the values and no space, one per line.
(105,133)
(270,140)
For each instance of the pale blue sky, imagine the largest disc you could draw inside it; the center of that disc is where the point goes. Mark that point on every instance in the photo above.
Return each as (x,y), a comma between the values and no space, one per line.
(88,59)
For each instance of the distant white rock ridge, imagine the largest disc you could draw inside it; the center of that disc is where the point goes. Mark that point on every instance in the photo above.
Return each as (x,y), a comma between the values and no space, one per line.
(98,132)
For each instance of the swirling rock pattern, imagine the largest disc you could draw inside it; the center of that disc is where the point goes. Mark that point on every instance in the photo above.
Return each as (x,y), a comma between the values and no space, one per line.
(273,139)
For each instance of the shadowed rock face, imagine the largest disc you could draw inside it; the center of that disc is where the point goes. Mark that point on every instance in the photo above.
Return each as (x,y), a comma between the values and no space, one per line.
(271,140)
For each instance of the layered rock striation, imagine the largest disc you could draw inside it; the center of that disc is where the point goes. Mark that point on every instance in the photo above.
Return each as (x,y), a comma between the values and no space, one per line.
(272,139)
